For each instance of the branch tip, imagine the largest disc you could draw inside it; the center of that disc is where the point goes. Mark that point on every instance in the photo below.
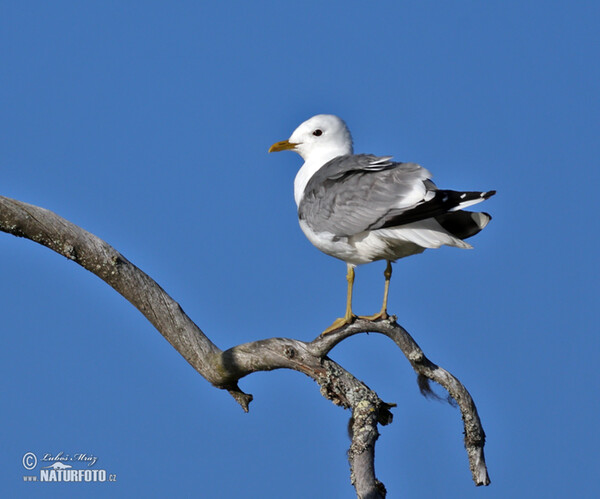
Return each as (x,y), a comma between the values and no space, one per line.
(385,415)
(241,398)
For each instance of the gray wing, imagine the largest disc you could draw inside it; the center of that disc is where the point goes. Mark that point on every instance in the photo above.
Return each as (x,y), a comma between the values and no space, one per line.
(354,193)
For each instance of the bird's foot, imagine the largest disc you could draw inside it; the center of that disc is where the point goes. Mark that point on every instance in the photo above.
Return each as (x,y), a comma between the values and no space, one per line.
(338,323)
(378,316)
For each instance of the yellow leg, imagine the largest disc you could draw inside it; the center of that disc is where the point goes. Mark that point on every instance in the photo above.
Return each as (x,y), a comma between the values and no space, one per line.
(387,273)
(349,316)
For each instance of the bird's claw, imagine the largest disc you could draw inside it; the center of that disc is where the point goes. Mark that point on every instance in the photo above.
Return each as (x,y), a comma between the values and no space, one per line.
(338,323)
(376,317)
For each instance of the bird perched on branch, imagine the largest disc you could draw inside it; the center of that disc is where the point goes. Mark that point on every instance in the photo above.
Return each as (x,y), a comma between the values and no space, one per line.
(361,208)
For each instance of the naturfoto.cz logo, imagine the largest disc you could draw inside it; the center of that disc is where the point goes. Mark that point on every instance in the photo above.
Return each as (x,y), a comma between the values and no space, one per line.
(60,468)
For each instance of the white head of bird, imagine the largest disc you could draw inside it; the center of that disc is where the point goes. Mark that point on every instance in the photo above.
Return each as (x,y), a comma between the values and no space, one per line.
(318,140)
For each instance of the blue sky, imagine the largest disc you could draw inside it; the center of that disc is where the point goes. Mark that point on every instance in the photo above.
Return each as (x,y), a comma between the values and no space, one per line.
(148,124)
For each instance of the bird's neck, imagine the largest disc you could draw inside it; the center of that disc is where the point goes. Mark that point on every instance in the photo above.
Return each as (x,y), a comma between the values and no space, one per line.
(309,168)
(312,164)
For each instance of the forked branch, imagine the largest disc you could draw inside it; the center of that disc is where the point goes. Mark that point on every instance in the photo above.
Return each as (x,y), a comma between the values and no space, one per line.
(223,369)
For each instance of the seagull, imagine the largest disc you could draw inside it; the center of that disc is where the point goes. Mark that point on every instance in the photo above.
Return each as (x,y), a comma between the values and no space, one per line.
(361,208)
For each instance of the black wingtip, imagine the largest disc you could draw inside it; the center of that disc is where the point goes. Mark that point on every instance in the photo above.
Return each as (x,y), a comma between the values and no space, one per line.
(488,194)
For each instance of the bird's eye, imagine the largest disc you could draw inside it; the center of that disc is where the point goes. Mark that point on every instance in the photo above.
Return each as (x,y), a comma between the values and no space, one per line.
(317,133)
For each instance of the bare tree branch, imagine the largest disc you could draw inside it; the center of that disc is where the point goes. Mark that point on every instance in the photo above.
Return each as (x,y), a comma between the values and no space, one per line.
(474,434)
(225,368)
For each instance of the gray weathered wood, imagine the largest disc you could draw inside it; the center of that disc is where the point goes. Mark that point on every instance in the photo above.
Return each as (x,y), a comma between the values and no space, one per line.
(223,369)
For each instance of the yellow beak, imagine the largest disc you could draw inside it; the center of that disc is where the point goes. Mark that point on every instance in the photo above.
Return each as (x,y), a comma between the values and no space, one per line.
(284,145)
